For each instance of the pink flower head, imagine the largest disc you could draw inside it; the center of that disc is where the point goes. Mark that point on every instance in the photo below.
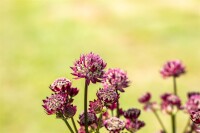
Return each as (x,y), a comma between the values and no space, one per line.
(193,103)
(54,104)
(173,68)
(151,106)
(195,117)
(112,106)
(134,125)
(69,111)
(145,98)
(72,91)
(107,96)
(92,118)
(81,129)
(96,106)
(132,113)
(60,85)
(114,124)
(170,103)
(89,66)
(115,78)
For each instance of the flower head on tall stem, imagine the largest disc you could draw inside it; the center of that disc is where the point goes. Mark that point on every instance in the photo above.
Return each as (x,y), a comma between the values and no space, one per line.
(96,106)
(107,96)
(89,66)
(114,124)
(170,103)
(134,125)
(60,85)
(69,111)
(54,104)
(92,118)
(116,78)
(195,117)
(145,98)
(193,103)
(173,68)
(132,113)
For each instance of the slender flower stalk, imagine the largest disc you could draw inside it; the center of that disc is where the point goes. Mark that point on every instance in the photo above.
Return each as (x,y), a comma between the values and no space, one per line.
(173,116)
(68,125)
(85,107)
(99,122)
(175,86)
(74,124)
(173,119)
(117,106)
(160,121)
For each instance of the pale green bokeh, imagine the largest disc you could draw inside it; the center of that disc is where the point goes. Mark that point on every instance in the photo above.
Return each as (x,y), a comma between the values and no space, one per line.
(40,39)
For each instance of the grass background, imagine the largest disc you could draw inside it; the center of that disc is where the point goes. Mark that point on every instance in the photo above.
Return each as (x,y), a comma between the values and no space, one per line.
(40,39)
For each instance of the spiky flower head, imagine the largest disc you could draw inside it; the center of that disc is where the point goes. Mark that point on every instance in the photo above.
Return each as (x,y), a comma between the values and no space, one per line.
(89,66)
(116,78)
(145,98)
(114,124)
(108,96)
(54,104)
(92,118)
(60,85)
(170,103)
(172,68)
(96,106)
(132,113)
(193,103)
(134,125)
(195,117)
(69,111)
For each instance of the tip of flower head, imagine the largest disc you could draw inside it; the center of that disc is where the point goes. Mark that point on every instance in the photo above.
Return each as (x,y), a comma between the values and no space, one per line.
(145,98)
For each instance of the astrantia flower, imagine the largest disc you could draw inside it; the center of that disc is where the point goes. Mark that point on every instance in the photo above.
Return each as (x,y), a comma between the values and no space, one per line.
(95,106)
(145,98)
(151,106)
(89,66)
(60,85)
(173,68)
(69,111)
(92,118)
(132,113)
(134,125)
(72,91)
(112,106)
(114,124)
(195,117)
(115,78)
(170,103)
(54,103)
(193,103)
(107,96)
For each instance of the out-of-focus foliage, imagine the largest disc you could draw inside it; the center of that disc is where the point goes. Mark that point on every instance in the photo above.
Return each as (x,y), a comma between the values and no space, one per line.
(40,39)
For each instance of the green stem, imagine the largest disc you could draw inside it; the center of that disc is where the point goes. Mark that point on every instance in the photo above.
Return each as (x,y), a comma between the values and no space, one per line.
(85,107)
(74,124)
(68,125)
(175,86)
(159,120)
(98,124)
(112,113)
(117,106)
(173,119)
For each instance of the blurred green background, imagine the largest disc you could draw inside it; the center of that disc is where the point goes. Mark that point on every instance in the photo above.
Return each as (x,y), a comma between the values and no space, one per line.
(40,39)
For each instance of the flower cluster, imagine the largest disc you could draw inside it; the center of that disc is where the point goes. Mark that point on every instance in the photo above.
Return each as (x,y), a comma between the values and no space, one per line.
(105,110)
(60,103)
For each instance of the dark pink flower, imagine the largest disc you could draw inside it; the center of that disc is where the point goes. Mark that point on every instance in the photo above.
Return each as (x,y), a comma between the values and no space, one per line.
(60,85)
(89,66)
(54,104)
(112,106)
(114,124)
(107,96)
(195,117)
(145,98)
(134,125)
(132,113)
(170,103)
(150,106)
(69,111)
(92,118)
(115,78)
(72,91)
(173,68)
(95,106)
(193,103)
(81,129)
